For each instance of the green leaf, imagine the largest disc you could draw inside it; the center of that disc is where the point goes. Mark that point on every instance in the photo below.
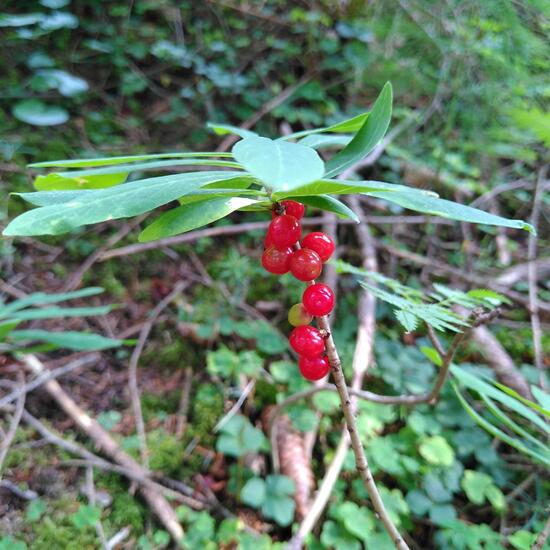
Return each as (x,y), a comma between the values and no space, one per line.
(511,424)
(437,451)
(280,509)
(280,485)
(522,539)
(42,298)
(475,484)
(58,182)
(440,514)
(367,137)
(239,437)
(224,129)
(190,216)
(343,187)
(407,319)
(109,419)
(108,161)
(350,125)
(121,201)
(448,209)
(330,204)
(55,312)
(418,502)
(320,141)
(254,492)
(38,113)
(542,397)
(479,487)
(6,327)
(35,510)
(279,164)
(520,398)
(479,385)
(82,341)
(86,516)
(496,432)
(142,166)
(334,535)
(9,543)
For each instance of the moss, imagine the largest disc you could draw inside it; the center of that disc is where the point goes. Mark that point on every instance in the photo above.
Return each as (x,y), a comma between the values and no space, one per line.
(125,509)
(153,404)
(207,409)
(166,452)
(56,530)
(176,354)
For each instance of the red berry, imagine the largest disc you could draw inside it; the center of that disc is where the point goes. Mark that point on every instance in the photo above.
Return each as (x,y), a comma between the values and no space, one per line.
(307,341)
(293,208)
(277,261)
(284,231)
(314,368)
(321,243)
(298,316)
(305,264)
(268,241)
(318,299)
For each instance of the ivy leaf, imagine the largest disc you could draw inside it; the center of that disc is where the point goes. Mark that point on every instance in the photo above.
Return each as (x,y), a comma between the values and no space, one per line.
(279,164)
(280,509)
(239,437)
(86,516)
(190,216)
(253,493)
(437,451)
(367,137)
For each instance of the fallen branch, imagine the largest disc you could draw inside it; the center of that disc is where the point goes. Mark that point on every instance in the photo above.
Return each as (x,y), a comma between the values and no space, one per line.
(49,375)
(532,281)
(14,424)
(499,360)
(109,447)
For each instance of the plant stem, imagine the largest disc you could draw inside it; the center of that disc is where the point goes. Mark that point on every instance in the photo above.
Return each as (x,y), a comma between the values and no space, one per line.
(361,461)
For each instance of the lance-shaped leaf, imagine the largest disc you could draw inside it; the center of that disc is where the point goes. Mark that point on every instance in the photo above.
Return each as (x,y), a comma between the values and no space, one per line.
(349,125)
(279,164)
(122,201)
(42,298)
(108,161)
(448,209)
(83,341)
(344,187)
(224,129)
(368,136)
(149,165)
(63,182)
(192,215)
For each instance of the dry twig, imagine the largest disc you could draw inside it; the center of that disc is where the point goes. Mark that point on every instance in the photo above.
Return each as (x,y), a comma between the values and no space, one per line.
(110,447)
(14,423)
(532,279)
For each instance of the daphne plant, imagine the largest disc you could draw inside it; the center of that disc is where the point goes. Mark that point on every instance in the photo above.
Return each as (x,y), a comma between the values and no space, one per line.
(282,177)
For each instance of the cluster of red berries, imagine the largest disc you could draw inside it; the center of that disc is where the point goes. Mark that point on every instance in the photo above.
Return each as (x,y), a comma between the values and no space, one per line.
(283,253)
